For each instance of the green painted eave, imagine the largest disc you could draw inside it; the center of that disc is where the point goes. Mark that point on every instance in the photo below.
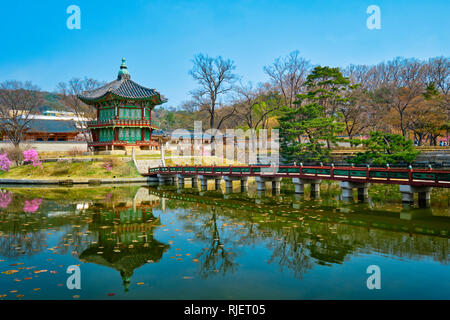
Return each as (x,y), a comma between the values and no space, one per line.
(112,96)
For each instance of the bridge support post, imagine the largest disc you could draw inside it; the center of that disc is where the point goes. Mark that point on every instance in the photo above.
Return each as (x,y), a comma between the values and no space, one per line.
(244,184)
(261,183)
(408,191)
(348,186)
(315,185)
(217,183)
(194,182)
(180,181)
(276,186)
(229,183)
(299,186)
(165,179)
(203,183)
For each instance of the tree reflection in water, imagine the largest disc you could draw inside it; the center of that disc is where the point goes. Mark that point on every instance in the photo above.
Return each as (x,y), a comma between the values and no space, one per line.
(319,231)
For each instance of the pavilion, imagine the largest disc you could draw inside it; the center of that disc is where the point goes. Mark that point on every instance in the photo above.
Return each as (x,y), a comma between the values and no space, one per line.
(124,119)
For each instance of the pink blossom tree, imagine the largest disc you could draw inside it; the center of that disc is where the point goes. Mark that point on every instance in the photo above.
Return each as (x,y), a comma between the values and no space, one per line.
(5,163)
(32,156)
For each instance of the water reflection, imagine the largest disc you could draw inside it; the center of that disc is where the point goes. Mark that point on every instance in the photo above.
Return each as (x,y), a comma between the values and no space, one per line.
(124,236)
(303,229)
(122,228)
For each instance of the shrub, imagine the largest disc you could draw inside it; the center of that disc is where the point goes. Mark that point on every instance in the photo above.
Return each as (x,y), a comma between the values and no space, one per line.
(4,162)
(74,152)
(15,154)
(112,163)
(32,156)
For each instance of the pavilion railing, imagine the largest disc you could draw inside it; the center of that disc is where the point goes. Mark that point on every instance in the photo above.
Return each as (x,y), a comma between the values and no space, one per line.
(119,122)
(122,142)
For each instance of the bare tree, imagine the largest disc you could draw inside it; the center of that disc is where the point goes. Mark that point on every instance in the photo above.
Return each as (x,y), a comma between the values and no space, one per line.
(19,101)
(357,112)
(69,92)
(410,86)
(288,74)
(397,85)
(354,114)
(439,73)
(215,78)
(255,105)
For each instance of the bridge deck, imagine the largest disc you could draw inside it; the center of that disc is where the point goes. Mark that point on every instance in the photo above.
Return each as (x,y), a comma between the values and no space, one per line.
(402,176)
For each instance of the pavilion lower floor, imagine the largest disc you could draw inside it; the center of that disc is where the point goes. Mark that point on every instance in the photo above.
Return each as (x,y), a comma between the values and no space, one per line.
(123,146)
(123,138)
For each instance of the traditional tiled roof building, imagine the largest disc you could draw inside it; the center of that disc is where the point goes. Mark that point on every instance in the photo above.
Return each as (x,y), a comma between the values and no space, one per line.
(123,114)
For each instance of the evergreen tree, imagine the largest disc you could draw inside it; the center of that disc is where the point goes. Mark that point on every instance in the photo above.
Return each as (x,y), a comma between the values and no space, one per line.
(385,148)
(309,128)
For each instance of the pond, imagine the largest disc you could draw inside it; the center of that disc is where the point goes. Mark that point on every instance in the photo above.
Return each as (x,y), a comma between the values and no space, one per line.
(157,242)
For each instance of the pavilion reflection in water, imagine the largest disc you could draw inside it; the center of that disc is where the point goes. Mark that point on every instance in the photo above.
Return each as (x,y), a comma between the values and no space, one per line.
(125,235)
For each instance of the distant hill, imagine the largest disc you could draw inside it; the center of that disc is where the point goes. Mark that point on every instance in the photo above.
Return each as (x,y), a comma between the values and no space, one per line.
(51,102)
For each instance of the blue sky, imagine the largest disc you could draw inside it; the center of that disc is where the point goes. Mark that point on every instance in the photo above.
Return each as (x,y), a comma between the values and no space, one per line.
(160,38)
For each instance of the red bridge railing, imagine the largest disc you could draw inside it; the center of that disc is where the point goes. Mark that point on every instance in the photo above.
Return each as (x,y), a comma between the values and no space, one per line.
(419,177)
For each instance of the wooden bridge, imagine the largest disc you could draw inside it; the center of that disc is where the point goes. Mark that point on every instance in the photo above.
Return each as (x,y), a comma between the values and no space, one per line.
(411,181)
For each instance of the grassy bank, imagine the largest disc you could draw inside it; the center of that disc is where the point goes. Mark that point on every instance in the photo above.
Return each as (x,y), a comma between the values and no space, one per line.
(67,170)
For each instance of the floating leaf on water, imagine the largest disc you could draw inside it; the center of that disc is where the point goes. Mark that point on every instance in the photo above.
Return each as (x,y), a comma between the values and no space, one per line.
(10,271)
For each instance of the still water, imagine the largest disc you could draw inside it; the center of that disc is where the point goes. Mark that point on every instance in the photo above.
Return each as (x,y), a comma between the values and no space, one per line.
(150,242)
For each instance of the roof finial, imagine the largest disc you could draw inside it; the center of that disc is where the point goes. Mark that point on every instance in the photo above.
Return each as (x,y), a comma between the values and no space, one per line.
(123,72)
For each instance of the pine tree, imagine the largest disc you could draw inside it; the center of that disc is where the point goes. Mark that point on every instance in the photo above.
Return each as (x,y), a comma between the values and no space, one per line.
(310,127)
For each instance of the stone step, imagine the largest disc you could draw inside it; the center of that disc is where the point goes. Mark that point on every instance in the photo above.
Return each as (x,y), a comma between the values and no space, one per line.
(143,165)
